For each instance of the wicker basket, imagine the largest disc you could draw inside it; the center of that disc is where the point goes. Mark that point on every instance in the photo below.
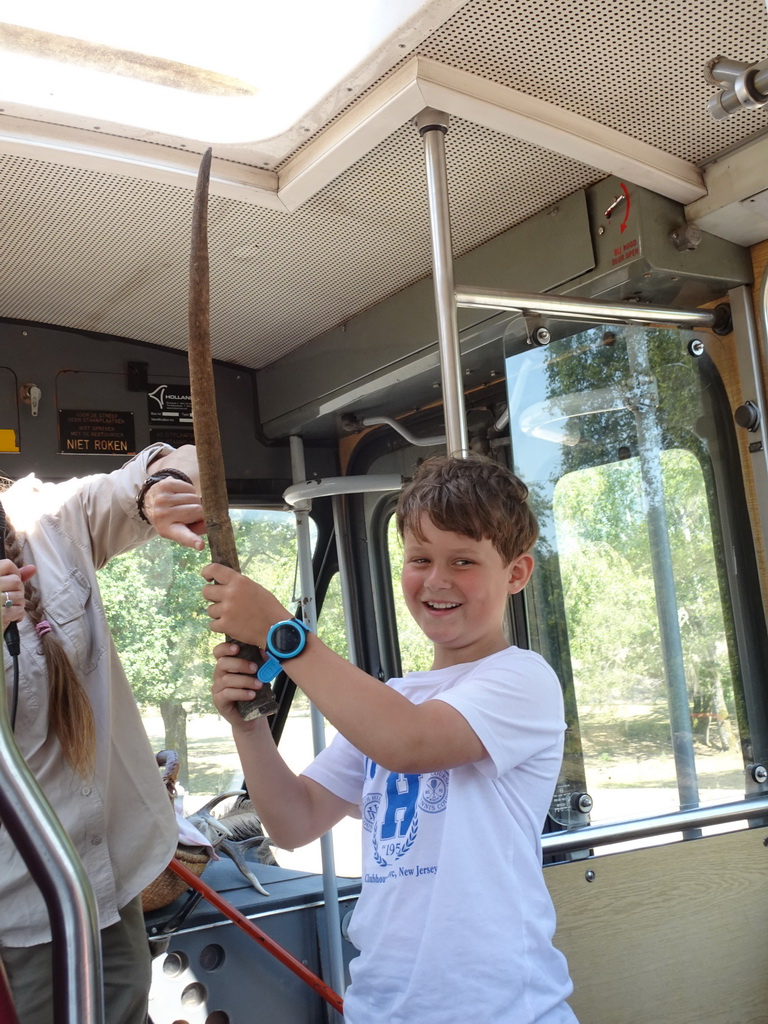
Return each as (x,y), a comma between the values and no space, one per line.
(167,887)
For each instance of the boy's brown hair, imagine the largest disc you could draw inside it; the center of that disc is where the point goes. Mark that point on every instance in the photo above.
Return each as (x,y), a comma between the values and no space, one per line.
(474,496)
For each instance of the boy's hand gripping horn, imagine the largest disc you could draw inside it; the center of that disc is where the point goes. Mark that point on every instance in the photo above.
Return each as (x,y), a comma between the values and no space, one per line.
(213,486)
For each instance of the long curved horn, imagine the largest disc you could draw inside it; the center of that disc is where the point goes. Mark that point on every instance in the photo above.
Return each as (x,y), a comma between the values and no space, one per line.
(213,484)
(208,808)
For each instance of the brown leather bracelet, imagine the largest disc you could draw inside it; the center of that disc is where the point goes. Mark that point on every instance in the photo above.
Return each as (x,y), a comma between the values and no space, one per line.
(161,474)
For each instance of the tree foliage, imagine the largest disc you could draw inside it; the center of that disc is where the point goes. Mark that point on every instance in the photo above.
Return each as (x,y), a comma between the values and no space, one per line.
(156,612)
(593,495)
(416,651)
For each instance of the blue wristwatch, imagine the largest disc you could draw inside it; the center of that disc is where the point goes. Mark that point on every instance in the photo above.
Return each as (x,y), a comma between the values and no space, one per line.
(285,640)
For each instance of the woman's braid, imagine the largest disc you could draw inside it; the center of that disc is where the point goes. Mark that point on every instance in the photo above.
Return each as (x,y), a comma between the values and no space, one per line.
(69,711)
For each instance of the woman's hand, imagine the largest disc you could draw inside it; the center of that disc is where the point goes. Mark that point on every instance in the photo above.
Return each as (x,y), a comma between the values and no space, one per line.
(12,580)
(239,606)
(233,680)
(173,508)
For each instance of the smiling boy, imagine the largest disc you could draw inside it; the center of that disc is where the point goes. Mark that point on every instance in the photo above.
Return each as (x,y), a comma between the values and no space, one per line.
(452,770)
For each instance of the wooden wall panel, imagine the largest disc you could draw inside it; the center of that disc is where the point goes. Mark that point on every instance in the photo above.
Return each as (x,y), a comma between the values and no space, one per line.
(667,935)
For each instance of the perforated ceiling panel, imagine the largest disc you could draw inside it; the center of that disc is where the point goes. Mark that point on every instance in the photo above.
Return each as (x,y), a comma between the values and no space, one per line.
(109,254)
(638,66)
(633,65)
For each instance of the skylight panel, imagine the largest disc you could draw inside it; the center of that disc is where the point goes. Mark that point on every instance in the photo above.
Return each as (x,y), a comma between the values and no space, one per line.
(229,72)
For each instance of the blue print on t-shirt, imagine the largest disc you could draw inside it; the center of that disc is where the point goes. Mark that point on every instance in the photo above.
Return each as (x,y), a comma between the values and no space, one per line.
(402,792)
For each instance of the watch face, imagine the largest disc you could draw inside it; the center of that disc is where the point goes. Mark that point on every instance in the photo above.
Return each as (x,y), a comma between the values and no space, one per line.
(286,638)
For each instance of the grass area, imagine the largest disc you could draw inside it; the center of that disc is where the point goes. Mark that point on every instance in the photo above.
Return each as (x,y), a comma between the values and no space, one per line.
(628,760)
(214,764)
(213,761)
(629,747)
(626,746)
(215,768)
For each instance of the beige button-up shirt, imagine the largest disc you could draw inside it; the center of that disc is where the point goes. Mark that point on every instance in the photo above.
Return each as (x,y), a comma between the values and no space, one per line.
(121,821)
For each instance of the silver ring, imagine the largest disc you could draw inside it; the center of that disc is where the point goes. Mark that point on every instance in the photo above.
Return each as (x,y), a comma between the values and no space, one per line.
(8,601)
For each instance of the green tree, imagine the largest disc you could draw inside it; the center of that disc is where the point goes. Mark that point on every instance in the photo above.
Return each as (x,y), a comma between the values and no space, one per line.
(416,651)
(158,620)
(598,514)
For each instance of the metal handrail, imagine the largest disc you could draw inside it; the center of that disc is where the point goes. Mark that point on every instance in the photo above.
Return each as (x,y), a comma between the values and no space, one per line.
(299,494)
(580,839)
(309,615)
(432,125)
(53,863)
(586,310)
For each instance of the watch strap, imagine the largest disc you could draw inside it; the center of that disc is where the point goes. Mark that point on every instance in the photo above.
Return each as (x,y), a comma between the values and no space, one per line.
(268,670)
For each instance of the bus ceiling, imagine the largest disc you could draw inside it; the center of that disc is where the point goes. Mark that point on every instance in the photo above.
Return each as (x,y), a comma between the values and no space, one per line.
(325,219)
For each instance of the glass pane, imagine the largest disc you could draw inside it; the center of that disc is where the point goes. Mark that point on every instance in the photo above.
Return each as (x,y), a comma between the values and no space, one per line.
(296,746)
(416,654)
(157,617)
(330,625)
(612,429)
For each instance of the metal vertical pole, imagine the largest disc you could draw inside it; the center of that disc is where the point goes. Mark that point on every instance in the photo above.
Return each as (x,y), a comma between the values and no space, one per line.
(649,451)
(309,615)
(432,126)
(345,577)
(52,861)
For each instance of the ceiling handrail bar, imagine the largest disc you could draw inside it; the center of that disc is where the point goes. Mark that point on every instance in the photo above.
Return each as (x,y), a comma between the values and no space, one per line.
(330,486)
(590,310)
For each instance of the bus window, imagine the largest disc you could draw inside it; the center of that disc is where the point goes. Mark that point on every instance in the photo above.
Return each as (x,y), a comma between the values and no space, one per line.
(330,623)
(415,648)
(617,651)
(157,617)
(296,746)
(625,440)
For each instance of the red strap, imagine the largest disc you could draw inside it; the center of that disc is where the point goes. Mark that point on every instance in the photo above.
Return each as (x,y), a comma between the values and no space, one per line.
(256,933)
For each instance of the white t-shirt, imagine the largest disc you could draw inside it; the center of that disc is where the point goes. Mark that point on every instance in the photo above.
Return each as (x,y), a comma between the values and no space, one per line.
(454,921)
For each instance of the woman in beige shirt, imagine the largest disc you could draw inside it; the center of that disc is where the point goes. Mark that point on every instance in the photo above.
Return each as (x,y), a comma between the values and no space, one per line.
(76,721)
